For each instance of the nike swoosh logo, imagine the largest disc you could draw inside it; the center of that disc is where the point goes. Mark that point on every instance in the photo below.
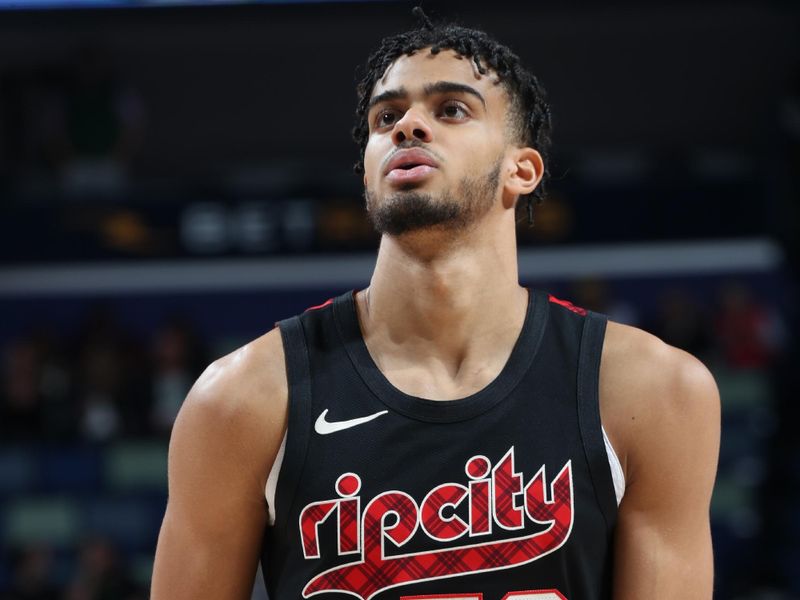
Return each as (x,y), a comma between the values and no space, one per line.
(324,427)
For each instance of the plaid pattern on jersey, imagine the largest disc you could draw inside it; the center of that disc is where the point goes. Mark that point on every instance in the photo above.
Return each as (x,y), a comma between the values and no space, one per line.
(480,521)
(348,526)
(436,526)
(378,571)
(312,515)
(506,481)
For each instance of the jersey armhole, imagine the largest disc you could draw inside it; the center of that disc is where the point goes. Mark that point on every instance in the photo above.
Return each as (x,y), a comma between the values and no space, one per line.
(617,474)
(594,444)
(288,468)
(272,481)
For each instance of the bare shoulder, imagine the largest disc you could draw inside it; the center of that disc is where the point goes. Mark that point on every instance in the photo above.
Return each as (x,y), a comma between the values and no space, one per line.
(656,400)
(250,380)
(661,409)
(238,406)
(224,441)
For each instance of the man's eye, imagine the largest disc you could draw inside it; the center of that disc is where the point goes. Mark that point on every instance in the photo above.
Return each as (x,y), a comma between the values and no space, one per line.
(385,118)
(454,111)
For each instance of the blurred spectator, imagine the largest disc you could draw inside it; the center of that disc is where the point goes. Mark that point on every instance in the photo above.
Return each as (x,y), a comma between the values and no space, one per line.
(56,387)
(112,382)
(106,390)
(749,334)
(35,398)
(101,377)
(681,322)
(22,407)
(25,94)
(32,577)
(94,125)
(178,359)
(100,575)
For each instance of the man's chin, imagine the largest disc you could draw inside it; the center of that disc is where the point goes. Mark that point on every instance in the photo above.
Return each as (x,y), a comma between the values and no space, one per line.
(407,230)
(398,220)
(409,186)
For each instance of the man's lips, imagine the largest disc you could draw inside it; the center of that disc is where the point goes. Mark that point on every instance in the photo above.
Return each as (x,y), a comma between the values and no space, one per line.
(410,160)
(407,175)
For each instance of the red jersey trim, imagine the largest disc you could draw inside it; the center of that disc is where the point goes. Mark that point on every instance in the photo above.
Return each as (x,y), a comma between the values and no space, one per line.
(568,305)
(318,306)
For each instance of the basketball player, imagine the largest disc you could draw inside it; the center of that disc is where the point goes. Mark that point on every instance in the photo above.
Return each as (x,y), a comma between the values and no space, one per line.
(445,432)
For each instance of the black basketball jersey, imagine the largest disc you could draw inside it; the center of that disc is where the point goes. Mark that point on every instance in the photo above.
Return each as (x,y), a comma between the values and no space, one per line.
(506,494)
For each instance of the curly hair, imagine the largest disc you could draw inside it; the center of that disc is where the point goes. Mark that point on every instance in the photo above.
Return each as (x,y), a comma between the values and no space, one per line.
(529,112)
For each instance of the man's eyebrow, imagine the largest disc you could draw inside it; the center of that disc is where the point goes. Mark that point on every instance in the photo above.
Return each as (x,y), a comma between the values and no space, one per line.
(429,89)
(388,96)
(449,87)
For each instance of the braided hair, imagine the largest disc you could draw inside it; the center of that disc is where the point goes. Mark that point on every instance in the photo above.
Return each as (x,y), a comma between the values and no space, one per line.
(529,111)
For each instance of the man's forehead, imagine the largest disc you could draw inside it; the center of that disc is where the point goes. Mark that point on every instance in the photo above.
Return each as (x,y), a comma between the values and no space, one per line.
(422,67)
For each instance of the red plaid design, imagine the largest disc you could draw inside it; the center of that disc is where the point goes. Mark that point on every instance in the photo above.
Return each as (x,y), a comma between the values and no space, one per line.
(377,571)
(507,484)
(556,510)
(432,521)
(313,515)
(348,484)
(478,466)
(348,526)
(479,509)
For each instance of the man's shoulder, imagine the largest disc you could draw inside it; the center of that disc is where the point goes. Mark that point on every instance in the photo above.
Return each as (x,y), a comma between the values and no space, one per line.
(245,386)
(649,389)
(223,445)
(640,362)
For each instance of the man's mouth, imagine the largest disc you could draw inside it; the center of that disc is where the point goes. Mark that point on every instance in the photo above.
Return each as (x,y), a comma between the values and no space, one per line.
(409,172)
(409,159)
(409,165)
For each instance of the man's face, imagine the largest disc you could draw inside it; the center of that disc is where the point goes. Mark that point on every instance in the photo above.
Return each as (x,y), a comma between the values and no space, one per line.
(437,136)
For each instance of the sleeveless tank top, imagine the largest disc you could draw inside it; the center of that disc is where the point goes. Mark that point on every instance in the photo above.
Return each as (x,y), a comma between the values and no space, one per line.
(506,494)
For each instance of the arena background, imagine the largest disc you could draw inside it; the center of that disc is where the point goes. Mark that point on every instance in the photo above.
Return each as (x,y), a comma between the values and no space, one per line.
(176,177)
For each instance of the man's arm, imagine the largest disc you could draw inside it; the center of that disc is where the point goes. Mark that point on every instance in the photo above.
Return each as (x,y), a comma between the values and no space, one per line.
(662,409)
(223,445)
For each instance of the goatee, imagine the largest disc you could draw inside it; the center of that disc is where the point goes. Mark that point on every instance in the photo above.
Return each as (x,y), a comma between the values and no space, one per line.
(410,210)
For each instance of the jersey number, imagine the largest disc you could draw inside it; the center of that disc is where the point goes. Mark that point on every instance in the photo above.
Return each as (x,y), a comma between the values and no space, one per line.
(525,595)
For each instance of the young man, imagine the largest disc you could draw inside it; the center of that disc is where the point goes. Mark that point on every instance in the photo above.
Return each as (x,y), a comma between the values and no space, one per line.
(438,434)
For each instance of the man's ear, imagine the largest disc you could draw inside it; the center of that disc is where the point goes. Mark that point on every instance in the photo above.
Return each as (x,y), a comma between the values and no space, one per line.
(527,168)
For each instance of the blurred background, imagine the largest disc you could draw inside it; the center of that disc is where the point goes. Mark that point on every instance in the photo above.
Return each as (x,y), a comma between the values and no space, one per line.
(175,177)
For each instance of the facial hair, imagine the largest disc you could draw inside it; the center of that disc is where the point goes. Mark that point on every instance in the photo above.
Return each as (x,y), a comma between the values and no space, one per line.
(411,210)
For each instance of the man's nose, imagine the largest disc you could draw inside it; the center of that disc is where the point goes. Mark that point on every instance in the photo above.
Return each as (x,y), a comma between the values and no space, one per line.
(413,125)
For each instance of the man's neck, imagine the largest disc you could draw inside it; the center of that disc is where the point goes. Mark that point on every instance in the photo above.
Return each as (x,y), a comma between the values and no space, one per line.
(456,303)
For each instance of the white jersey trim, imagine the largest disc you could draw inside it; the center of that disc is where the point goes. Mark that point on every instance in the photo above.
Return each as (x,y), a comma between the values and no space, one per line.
(616,468)
(272,481)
